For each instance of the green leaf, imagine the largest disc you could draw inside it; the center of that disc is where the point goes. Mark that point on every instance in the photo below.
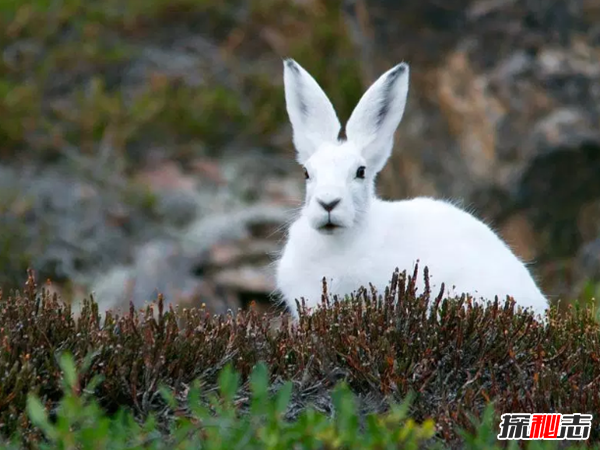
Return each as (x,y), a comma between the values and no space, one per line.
(346,419)
(229,382)
(195,402)
(67,364)
(283,398)
(168,396)
(259,385)
(87,361)
(39,417)
(400,411)
(37,412)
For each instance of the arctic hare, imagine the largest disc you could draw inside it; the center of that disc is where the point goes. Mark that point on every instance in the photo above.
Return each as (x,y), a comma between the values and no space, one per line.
(347,235)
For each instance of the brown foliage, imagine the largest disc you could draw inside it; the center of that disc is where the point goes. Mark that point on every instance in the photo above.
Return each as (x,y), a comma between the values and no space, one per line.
(456,358)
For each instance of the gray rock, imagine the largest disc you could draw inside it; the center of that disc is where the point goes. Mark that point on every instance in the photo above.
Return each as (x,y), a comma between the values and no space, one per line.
(217,261)
(510,95)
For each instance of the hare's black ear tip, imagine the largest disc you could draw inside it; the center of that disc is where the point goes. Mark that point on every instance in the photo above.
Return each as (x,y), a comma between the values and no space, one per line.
(292,66)
(401,68)
(290,63)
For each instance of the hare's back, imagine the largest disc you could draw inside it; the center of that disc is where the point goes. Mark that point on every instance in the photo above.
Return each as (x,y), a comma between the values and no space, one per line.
(425,219)
(457,247)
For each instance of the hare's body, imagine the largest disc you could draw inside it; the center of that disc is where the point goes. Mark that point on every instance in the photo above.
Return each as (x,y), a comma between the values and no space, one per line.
(351,238)
(395,240)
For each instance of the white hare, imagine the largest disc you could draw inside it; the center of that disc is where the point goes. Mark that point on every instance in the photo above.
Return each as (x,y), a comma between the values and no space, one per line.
(347,235)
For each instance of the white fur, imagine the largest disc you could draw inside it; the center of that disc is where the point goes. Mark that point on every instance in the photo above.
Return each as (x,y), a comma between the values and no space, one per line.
(374,236)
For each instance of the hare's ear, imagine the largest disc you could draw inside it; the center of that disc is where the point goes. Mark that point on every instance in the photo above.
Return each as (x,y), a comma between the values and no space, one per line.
(313,118)
(375,119)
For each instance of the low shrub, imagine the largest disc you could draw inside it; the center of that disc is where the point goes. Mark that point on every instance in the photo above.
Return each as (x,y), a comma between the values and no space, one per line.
(456,357)
(79,421)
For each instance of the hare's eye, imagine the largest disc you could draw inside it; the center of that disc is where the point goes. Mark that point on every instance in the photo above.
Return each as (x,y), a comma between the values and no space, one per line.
(360,172)
(306,173)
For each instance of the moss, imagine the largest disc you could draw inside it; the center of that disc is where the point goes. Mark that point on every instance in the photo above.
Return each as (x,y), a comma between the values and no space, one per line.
(71,55)
(268,107)
(14,253)
(330,57)
(590,295)
(20,111)
(315,34)
(142,198)
(183,108)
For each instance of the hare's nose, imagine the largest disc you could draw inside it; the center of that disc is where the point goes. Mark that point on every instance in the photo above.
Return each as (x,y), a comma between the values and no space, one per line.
(329,205)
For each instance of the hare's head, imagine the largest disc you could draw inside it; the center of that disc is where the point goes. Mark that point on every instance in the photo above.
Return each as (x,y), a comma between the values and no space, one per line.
(340,171)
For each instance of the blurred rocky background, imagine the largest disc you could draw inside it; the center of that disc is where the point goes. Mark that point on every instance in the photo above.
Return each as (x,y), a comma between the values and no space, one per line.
(145,147)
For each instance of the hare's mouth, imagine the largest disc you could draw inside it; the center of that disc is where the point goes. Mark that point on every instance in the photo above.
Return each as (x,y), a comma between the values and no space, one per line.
(329,227)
